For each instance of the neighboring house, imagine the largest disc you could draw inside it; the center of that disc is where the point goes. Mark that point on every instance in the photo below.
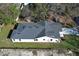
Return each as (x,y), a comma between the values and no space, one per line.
(43,31)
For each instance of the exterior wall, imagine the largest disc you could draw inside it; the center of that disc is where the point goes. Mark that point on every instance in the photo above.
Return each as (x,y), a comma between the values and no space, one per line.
(47,39)
(61,34)
(41,39)
(23,40)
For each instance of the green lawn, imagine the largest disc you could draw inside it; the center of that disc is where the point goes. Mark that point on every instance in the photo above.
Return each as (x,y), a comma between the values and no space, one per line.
(7,43)
(4,42)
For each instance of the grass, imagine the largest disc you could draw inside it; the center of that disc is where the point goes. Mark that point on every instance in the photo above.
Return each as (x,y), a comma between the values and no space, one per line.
(71,42)
(4,42)
(7,43)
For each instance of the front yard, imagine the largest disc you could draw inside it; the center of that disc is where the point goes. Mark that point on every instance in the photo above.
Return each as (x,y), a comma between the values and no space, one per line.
(4,42)
(7,43)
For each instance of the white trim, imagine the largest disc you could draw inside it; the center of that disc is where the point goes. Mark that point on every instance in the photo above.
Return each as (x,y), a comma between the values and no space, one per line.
(40,39)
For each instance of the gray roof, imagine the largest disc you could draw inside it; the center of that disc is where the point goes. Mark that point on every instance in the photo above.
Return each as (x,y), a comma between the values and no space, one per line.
(35,30)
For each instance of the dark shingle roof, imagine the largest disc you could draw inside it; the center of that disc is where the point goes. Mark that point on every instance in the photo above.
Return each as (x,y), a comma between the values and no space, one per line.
(35,30)
(52,29)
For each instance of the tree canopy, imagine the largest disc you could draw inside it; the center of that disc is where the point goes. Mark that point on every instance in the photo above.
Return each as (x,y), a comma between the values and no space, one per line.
(9,13)
(39,11)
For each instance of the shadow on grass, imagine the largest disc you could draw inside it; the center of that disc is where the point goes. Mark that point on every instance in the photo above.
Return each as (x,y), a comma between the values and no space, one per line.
(10,32)
(15,26)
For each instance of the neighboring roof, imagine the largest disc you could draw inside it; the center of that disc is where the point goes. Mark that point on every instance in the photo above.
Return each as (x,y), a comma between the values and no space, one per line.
(35,30)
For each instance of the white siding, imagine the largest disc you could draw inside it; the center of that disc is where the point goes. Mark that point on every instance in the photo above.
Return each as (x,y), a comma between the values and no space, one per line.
(61,34)
(47,39)
(15,40)
(41,39)
(23,40)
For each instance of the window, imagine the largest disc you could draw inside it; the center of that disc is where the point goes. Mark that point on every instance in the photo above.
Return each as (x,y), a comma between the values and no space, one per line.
(43,39)
(35,39)
(50,39)
(19,39)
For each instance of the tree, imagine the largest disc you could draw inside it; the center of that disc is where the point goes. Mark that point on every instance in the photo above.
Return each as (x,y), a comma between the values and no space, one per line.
(9,13)
(39,11)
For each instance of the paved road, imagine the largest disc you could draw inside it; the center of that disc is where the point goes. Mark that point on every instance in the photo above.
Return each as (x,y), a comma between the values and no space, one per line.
(35,52)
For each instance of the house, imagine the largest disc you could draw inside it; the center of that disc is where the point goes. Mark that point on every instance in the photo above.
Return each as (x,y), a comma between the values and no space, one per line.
(43,31)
